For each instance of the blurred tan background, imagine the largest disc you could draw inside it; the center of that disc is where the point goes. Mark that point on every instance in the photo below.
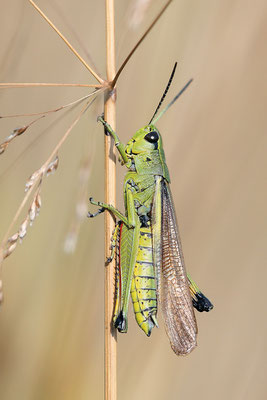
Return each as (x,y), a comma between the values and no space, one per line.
(51,323)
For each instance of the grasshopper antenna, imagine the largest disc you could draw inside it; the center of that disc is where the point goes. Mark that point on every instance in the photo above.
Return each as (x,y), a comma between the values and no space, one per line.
(153,119)
(171,103)
(165,92)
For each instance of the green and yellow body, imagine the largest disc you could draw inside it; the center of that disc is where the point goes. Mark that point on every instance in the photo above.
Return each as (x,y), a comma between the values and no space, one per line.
(150,267)
(143,282)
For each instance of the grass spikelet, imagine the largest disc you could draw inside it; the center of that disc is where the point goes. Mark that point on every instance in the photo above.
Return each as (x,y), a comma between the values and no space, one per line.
(23,228)
(52,167)
(32,179)
(16,132)
(11,244)
(33,212)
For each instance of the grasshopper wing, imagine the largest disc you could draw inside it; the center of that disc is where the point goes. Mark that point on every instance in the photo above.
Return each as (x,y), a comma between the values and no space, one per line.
(173,289)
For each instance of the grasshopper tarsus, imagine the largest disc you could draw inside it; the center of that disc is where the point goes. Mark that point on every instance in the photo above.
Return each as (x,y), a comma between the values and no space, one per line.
(107,127)
(90,215)
(100,118)
(92,201)
(121,323)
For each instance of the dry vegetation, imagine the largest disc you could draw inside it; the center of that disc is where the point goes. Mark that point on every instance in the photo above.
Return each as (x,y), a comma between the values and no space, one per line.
(51,332)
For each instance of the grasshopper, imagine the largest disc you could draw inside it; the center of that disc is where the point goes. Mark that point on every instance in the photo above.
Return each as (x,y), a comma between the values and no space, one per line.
(150,264)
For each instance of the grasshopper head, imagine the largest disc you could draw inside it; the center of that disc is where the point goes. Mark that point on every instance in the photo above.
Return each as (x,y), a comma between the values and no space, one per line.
(146,151)
(145,139)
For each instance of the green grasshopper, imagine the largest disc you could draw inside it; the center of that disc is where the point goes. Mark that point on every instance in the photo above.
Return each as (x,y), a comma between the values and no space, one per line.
(150,263)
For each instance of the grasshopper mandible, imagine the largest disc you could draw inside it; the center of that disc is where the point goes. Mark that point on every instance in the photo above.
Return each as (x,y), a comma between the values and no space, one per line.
(150,264)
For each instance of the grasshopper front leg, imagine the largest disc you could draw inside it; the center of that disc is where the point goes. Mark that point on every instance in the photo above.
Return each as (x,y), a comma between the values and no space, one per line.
(112,209)
(120,146)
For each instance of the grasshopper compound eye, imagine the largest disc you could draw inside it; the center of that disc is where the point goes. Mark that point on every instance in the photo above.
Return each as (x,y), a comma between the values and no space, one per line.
(152,137)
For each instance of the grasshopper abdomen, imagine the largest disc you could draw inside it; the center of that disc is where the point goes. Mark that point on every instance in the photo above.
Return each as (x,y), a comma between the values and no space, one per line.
(143,288)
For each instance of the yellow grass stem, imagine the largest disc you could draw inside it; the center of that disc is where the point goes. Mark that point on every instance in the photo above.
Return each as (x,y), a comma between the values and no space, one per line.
(110,198)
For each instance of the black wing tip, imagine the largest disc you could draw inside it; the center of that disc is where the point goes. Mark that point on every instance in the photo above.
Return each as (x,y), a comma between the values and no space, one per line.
(202,303)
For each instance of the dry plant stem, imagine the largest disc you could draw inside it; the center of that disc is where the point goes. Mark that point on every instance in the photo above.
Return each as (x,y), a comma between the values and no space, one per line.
(100,80)
(114,81)
(110,198)
(60,12)
(10,85)
(54,110)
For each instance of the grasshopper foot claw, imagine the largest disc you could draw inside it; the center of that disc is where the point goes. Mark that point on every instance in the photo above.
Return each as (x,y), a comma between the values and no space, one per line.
(100,118)
(99,211)
(90,215)
(95,203)
(121,323)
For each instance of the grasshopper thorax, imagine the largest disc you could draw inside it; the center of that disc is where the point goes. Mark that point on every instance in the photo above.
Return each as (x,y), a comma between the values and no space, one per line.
(146,151)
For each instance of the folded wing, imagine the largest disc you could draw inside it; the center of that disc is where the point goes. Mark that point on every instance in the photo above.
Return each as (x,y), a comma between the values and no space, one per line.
(173,289)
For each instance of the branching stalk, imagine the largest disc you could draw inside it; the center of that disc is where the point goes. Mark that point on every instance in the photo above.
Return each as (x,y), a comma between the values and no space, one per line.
(100,80)
(114,81)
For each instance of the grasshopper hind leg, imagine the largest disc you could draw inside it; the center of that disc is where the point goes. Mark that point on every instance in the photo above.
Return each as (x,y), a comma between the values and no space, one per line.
(121,323)
(200,301)
(113,244)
